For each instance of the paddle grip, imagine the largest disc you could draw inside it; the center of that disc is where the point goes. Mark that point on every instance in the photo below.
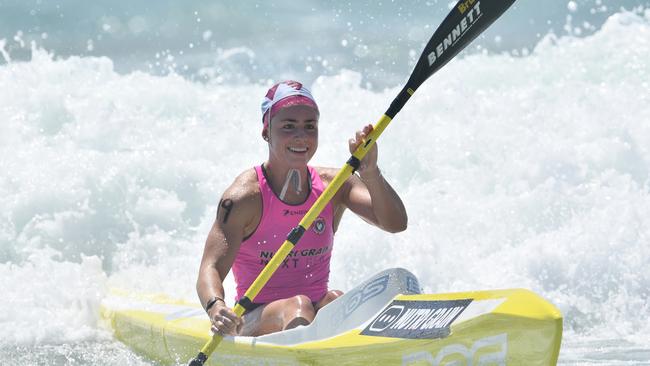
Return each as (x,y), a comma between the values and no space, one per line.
(199,360)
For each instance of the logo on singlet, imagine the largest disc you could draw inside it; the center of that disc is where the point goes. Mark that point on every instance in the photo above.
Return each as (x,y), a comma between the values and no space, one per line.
(319,225)
(286,212)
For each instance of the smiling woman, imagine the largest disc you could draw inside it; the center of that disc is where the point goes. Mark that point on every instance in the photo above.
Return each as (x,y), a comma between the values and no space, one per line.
(257,210)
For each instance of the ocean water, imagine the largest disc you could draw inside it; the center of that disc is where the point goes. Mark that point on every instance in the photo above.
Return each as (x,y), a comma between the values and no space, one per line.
(525,162)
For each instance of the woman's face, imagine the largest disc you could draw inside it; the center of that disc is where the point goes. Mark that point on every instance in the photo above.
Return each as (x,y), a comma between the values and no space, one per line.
(293,135)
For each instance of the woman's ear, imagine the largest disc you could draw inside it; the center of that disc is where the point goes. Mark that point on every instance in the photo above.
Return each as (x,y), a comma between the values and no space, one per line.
(265,134)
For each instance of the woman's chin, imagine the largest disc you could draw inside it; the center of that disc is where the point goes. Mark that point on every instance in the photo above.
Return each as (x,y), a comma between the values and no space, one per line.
(297,161)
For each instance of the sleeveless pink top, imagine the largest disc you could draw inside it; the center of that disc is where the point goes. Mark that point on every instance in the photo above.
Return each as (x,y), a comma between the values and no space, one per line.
(306,269)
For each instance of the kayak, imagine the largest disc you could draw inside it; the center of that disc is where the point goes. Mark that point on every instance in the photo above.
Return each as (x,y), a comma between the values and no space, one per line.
(383,321)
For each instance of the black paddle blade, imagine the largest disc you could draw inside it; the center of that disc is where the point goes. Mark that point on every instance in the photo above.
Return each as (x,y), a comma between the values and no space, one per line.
(466,21)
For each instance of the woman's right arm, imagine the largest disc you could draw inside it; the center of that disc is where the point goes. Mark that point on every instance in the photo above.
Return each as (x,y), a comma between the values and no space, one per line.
(234,214)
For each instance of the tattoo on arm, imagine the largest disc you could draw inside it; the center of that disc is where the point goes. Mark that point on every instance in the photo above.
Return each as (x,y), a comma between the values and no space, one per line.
(226,205)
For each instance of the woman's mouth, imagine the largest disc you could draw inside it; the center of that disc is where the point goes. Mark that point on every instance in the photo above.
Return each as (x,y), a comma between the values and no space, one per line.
(299,150)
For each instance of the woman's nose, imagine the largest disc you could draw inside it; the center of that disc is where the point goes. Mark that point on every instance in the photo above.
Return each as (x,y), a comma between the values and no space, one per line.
(299,133)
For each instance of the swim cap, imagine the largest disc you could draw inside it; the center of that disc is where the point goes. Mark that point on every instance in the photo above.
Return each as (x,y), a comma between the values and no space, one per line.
(285,94)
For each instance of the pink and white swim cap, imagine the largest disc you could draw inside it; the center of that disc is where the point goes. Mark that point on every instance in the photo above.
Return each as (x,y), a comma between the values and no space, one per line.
(285,94)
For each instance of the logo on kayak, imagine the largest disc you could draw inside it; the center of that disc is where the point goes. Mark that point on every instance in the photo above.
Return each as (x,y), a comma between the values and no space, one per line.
(412,285)
(370,290)
(416,319)
(386,318)
(492,350)
(319,225)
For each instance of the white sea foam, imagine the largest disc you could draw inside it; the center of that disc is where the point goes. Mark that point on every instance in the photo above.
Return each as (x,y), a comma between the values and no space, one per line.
(516,172)
(50,301)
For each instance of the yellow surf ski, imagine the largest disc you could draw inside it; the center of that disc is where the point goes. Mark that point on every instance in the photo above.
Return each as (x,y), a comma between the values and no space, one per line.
(383,321)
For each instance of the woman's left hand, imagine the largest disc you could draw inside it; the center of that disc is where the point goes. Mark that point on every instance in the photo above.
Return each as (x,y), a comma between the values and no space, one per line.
(369,162)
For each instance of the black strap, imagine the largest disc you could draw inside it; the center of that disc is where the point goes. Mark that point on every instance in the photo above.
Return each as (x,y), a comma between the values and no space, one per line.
(354,163)
(295,234)
(247,304)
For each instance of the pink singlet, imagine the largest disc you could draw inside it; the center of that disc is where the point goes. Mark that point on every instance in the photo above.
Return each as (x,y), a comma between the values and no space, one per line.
(306,269)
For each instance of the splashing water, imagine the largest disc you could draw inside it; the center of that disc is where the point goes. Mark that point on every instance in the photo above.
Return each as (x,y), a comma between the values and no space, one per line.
(528,171)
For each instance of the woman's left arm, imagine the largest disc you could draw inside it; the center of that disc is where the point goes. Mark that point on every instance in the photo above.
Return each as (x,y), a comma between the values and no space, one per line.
(369,195)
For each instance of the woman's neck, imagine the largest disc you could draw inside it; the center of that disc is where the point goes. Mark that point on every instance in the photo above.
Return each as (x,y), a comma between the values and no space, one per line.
(290,184)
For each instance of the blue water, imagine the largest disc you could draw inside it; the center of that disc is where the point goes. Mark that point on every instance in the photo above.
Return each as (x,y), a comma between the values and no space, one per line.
(227,41)
(522,163)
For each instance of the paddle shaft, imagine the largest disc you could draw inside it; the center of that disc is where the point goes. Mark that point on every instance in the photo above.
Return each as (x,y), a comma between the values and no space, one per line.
(464,23)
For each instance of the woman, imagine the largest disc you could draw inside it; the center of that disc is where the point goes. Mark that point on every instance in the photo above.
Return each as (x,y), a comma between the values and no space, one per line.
(264,203)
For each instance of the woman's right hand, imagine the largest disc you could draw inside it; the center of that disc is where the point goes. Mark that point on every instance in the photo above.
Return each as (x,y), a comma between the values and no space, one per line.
(224,320)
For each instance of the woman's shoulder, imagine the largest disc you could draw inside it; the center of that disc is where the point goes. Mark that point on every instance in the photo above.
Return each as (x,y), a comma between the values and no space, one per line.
(244,187)
(241,201)
(247,177)
(326,174)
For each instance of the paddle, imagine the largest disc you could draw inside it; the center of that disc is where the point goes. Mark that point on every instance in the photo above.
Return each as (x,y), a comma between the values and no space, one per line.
(465,22)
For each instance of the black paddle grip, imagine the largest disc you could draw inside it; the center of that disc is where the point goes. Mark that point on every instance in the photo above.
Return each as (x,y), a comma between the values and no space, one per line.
(199,360)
